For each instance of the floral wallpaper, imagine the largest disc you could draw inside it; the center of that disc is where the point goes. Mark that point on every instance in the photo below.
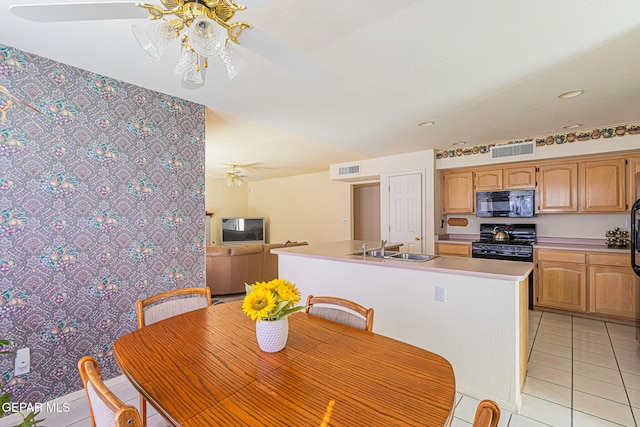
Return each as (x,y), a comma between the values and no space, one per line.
(101,204)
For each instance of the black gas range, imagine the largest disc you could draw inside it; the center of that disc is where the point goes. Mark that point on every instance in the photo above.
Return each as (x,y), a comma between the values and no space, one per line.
(515,243)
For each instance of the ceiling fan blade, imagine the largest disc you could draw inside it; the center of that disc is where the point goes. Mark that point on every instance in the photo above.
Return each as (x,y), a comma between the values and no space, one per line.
(280,54)
(58,12)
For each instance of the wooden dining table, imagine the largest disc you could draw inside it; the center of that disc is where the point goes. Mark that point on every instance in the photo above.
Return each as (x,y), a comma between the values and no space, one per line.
(204,368)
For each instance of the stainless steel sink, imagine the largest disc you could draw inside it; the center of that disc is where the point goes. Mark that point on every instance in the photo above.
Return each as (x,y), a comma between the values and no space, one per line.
(411,257)
(372,253)
(402,256)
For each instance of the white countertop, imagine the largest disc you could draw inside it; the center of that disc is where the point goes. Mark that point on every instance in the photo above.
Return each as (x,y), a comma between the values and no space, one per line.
(477,267)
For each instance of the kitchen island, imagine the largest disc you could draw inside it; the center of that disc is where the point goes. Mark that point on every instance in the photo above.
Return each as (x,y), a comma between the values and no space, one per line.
(471,311)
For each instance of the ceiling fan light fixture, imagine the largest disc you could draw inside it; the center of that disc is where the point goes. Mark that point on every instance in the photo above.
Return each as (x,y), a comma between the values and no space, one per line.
(205,36)
(188,67)
(154,37)
(233,62)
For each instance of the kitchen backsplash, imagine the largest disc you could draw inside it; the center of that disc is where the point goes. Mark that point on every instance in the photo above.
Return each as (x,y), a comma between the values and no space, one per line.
(101,203)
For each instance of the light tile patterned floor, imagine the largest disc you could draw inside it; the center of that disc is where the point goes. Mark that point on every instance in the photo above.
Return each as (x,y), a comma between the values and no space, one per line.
(581,373)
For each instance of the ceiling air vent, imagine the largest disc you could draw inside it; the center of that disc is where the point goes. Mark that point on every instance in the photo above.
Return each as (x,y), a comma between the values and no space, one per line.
(349,170)
(522,149)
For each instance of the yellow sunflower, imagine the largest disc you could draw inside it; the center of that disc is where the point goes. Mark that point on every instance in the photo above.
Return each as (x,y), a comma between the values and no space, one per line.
(287,291)
(258,303)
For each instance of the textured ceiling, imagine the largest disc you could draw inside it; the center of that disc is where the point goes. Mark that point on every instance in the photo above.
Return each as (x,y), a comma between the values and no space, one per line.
(484,71)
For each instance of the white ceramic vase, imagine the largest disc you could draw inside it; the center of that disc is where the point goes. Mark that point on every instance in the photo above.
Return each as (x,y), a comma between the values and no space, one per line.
(272,334)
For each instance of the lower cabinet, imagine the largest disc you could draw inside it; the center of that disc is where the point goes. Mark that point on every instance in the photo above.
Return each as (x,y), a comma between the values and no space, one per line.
(562,285)
(454,249)
(613,286)
(586,282)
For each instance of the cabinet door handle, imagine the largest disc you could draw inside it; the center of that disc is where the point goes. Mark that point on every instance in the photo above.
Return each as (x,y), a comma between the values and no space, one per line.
(417,237)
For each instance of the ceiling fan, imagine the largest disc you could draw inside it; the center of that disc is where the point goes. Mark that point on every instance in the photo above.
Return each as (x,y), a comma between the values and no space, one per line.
(236,177)
(202,28)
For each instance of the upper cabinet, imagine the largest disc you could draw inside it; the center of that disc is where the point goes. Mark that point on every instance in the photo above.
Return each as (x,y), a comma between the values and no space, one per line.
(590,184)
(602,186)
(489,180)
(558,188)
(457,192)
(520,178)
(515,178)
(633,186)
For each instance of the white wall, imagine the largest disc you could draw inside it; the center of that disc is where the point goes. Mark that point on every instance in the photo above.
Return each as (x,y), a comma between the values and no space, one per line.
(308,208)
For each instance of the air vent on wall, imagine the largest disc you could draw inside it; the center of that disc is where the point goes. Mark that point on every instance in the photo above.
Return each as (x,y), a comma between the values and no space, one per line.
(521,149)
(349,170)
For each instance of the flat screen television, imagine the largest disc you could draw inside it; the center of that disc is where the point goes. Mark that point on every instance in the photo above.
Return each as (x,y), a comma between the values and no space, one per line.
(242,231)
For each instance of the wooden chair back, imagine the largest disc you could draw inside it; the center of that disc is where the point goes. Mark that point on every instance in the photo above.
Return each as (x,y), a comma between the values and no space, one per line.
(168,304)
(487,414)
(363,319)
(107,410)
(171,303)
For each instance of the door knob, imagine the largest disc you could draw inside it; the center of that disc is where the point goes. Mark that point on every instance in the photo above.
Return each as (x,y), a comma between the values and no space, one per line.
(417,237)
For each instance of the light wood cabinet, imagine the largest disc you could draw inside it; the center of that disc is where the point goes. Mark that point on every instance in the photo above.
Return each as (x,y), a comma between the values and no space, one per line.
(520,178)
(561,280)
(489,180)
(453,249)
(457,193)
(558,188)
(633,186)
(613,286)
(602,186)
(600,283)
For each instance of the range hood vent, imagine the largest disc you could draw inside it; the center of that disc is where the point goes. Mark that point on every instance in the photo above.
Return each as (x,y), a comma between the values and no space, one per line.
(349,170)
(521,149)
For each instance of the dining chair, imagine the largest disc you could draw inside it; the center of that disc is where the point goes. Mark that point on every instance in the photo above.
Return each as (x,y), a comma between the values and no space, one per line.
(341,310)
(487,414)
(107,410)
(168,304)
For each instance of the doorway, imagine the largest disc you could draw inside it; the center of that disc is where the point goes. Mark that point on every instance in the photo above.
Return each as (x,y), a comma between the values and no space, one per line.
(405,211)
(366,211)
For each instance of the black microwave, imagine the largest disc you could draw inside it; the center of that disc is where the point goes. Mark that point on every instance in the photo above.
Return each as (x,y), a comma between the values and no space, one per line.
(512,204)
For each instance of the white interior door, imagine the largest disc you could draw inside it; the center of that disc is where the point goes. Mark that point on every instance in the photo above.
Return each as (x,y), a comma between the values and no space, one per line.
(405,211)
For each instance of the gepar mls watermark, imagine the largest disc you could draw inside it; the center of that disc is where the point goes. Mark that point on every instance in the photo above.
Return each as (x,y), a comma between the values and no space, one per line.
(15,407)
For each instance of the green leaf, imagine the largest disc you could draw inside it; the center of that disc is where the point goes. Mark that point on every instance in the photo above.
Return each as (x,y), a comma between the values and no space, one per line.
(247,288)
(3,343)
(5,398)
(29,420)
(293,310)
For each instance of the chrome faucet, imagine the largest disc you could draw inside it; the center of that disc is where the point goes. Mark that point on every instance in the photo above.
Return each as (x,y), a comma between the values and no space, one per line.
(383,243)
(364,248)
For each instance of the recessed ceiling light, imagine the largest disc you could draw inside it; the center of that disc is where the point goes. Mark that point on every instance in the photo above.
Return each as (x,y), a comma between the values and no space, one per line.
(426,124)
(459,143)
(571,94)
(577,125)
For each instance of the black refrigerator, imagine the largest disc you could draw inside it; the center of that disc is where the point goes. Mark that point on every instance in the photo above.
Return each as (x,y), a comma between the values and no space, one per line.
(635,250)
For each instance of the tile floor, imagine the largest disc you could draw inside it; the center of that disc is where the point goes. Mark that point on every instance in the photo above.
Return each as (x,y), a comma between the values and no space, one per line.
(581,373)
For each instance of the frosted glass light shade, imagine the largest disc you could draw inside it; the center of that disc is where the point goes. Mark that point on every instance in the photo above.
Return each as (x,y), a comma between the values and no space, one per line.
(233,62)
(205,36)
(188,68)
(154,37)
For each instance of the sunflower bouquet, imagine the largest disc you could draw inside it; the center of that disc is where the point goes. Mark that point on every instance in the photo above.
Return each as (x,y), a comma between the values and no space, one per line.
(273,300)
